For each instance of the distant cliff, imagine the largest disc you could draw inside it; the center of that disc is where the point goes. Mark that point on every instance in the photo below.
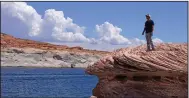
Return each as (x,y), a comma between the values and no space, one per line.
(29,53)
(10,41)
(134,73)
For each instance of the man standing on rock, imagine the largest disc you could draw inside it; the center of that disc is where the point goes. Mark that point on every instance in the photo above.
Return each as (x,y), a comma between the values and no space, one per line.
(149,28)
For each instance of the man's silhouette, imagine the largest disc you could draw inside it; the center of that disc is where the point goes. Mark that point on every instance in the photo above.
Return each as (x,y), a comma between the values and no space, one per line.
(149,28)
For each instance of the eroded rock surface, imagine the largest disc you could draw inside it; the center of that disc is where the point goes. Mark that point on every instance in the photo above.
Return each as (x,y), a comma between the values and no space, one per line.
(134,73)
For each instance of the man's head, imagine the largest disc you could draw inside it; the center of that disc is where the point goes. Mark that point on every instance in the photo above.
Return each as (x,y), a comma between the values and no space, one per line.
(148,16)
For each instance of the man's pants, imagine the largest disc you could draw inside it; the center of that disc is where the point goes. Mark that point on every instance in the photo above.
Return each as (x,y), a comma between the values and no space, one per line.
(149,40)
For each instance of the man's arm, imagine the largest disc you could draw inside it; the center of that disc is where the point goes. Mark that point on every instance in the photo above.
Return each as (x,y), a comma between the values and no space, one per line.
(152,26)
(144,30)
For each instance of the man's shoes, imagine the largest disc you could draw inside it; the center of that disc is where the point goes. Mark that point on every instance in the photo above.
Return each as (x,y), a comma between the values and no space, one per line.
(153,49)
(148,50)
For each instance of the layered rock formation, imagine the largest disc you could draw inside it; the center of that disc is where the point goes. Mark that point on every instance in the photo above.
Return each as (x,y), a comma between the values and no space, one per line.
(28,53)
(134,73)
(8,41)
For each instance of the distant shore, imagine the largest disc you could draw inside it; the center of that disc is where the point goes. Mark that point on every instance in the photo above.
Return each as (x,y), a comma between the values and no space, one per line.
(41,67)
(31,57)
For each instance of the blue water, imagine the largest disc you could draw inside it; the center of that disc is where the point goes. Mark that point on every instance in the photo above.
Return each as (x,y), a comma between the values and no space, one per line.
(46,82)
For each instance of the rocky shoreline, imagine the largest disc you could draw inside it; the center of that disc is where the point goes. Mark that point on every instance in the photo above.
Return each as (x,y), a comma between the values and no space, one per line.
(134,73)
(28,53)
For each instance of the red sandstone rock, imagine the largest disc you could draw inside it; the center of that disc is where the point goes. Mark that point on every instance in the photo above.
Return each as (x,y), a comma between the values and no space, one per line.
(10,41)
(134,73)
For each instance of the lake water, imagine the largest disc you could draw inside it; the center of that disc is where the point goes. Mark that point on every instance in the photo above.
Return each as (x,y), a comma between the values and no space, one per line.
(46,82)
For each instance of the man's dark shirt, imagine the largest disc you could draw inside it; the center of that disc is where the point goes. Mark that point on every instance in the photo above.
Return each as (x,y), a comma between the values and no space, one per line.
(148,26)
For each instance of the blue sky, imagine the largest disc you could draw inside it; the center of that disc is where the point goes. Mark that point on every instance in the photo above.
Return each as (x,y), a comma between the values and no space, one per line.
(170,17)
(170,20)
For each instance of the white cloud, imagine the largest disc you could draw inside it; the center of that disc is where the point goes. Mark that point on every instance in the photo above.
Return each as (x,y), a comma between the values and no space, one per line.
(54,25)
(157,40)
(137,41)
(24,13)
(111,34)
(62,29)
